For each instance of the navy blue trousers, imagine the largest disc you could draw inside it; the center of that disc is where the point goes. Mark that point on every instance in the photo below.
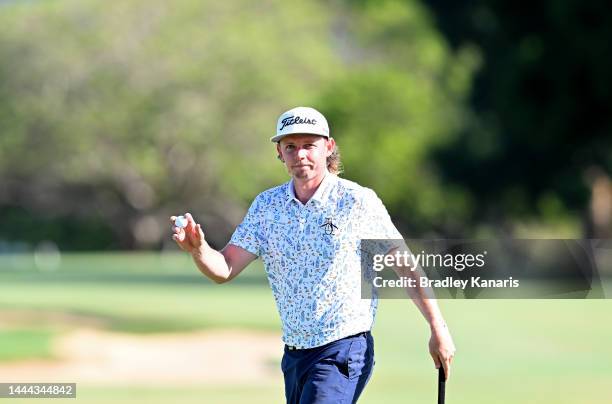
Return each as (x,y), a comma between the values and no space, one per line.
(333,373)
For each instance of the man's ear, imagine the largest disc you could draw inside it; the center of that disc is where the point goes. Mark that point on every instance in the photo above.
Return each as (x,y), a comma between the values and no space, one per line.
(278,150)
(331,145)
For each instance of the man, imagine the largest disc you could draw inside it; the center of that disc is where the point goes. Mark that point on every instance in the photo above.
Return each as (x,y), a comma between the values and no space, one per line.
(307,232)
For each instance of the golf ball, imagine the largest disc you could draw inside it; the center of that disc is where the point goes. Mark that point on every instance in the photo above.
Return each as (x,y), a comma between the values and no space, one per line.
(181,222)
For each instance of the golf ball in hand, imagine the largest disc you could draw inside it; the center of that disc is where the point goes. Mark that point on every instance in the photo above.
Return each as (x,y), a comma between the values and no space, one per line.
(181,222)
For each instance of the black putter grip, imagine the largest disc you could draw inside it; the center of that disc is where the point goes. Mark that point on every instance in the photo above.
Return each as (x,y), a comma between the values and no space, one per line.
(441,385)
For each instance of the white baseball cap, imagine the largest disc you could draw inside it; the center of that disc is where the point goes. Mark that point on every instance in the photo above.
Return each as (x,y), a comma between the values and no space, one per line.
(301,120)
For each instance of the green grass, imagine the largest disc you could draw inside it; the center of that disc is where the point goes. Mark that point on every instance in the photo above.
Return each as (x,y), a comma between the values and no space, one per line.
(509,351)
(19,344)
(150,308)
(268,394)
(139,293)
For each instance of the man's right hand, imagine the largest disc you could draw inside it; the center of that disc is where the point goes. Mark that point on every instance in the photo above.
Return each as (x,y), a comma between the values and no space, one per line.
(219,266)
(190,238)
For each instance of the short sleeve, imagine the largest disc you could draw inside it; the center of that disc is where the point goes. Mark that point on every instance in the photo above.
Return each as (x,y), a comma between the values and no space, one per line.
(376,224)
(248,233)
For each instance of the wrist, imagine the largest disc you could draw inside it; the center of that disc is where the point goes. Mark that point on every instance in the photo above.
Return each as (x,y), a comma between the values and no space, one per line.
(437,324)
(198,252)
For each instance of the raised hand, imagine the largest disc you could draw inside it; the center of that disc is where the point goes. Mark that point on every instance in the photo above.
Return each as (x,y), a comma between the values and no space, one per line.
(190,237)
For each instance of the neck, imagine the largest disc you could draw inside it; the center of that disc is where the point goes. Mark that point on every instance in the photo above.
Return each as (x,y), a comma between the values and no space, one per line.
(306,188)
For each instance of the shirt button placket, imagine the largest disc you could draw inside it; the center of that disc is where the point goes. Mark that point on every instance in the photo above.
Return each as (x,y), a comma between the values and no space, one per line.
(302,219)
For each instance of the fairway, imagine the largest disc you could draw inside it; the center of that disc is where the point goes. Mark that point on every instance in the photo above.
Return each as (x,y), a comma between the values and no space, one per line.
(509,351)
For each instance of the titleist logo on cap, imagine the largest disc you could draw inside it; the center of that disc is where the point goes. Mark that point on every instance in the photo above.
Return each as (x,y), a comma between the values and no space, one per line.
(293,120)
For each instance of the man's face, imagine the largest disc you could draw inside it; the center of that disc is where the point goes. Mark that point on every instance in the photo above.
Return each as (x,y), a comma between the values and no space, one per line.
(305,155)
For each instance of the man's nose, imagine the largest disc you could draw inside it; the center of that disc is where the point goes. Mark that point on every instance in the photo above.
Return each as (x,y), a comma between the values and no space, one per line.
(302,153)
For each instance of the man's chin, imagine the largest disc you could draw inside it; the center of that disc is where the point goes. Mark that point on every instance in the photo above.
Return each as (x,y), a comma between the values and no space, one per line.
(303,173)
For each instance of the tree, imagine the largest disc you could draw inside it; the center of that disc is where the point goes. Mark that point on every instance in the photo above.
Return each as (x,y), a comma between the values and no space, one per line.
(400,100)
(539,136)
(123,114)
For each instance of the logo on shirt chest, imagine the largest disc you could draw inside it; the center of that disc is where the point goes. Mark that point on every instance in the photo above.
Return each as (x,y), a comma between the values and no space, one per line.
(329,227)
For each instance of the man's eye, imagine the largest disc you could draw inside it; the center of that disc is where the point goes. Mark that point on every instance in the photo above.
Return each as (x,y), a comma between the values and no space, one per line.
(289,147)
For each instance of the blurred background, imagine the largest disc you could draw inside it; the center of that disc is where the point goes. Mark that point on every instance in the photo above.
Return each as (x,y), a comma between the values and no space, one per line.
(469,119)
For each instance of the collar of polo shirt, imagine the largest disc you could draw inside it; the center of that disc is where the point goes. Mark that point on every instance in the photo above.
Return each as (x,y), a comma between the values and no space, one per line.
(320,193)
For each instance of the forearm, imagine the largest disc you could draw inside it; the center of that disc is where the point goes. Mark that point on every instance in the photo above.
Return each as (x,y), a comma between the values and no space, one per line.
(423,298)
(211,263)
(430,310)
(441,346)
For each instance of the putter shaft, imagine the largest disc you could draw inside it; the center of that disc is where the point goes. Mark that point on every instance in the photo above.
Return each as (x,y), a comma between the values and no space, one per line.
(441,385)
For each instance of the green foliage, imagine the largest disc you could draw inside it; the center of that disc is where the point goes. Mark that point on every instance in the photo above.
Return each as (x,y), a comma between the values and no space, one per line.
(538,132)
(19,224)
(113,117)
(400,101)
(136,110)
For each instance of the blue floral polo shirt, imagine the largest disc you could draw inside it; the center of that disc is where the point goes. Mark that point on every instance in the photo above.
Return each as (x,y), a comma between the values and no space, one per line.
(311,253)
